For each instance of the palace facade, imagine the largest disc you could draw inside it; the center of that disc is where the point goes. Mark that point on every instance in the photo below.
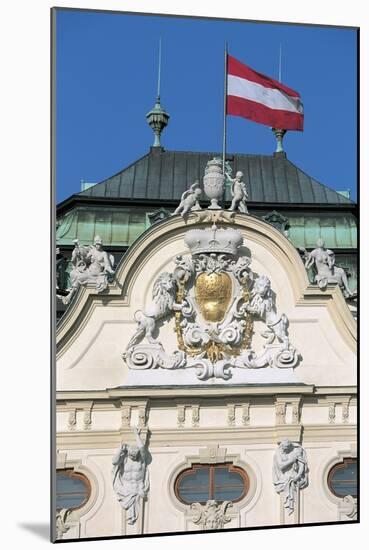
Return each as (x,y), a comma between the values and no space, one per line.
(210,381)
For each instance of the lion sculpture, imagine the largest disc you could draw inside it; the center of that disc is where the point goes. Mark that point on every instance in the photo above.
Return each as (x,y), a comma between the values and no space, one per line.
(163,302)
(261,304)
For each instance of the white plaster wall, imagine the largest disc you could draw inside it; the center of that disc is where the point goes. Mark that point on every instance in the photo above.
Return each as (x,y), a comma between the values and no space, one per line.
(106,420)
(90,359)
(163,513)
(314,414)
(262,415)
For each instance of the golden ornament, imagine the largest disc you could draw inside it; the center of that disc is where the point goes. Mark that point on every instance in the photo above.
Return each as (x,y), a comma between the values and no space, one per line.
(213,294)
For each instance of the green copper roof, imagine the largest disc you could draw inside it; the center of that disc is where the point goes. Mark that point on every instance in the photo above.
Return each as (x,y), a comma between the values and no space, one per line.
(116,226)
(338,230)
(121,226)
(165,175)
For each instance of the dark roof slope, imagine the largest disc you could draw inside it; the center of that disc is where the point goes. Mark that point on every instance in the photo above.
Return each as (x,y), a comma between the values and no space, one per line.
(165,175)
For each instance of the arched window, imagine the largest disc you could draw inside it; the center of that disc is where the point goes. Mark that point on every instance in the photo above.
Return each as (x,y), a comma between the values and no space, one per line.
(218,482)
(342,478)
(72,490)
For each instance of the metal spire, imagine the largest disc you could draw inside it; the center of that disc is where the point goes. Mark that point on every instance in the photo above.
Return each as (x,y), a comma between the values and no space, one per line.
(158,118)
(159,69)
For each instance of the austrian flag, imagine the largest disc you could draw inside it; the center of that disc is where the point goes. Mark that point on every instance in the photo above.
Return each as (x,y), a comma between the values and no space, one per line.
(261,99)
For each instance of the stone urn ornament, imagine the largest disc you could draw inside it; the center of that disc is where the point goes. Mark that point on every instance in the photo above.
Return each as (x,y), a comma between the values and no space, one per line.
(214,182)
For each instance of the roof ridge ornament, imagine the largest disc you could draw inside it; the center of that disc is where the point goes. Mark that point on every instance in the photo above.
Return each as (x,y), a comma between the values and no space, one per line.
(214,182)
(157,119)
(279,134)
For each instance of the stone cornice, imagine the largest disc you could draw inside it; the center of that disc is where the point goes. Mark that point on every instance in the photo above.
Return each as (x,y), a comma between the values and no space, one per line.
(153,392)
(141,393)
(201,436)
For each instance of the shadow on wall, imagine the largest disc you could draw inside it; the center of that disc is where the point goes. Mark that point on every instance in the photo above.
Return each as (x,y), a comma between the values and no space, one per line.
(42,530)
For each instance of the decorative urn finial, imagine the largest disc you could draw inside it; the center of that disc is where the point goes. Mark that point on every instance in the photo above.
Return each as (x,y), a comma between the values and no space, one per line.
(279,134)
(214,182)
(157,119)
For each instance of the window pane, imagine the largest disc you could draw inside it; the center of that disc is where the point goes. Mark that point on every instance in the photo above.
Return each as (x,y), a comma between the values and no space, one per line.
(211,481)
(343,479)
(227,485)
(194,486)
(71,492)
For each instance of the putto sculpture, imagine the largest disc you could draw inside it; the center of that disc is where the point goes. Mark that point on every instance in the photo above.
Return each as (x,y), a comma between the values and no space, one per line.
(91,264)
(239,193)
(323,261)
(290,472)
(131,476)
(189,200)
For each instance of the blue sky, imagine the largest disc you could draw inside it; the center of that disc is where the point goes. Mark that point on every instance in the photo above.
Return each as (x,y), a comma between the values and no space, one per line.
(106,79)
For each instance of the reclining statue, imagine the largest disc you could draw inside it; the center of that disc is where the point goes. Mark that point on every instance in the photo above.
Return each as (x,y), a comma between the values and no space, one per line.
(91,264)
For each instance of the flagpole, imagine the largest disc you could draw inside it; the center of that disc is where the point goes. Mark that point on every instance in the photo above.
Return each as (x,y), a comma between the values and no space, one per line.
(225,104)
(279,132)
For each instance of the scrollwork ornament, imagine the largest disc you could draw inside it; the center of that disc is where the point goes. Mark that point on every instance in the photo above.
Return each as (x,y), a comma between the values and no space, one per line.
(231,414)
(181,416)
(350,506)
(195,415)
(245,414)
(345,412)
(211,515)
(61,522)
(153,356)
(87,420)
(72,419)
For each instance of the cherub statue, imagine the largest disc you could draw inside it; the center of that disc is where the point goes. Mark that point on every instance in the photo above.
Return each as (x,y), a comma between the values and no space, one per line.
(290,471)
(189,200)
(183,270)
(239,193)
(131,475)
(323,260)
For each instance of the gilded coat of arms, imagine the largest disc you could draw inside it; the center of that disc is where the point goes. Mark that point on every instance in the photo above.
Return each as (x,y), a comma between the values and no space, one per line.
(214,297)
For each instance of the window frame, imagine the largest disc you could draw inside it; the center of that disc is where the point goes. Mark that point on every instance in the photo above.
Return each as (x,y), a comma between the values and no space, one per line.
(71,473)
(229,466)
(346,461)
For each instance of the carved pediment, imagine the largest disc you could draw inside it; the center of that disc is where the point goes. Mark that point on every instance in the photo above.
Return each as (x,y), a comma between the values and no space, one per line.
(256,286)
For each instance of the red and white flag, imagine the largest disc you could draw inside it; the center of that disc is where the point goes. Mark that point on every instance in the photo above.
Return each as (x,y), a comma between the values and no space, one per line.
(261,99)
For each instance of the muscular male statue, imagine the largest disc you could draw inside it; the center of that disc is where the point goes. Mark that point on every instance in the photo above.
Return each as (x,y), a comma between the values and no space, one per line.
(131,476)
(290,472)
